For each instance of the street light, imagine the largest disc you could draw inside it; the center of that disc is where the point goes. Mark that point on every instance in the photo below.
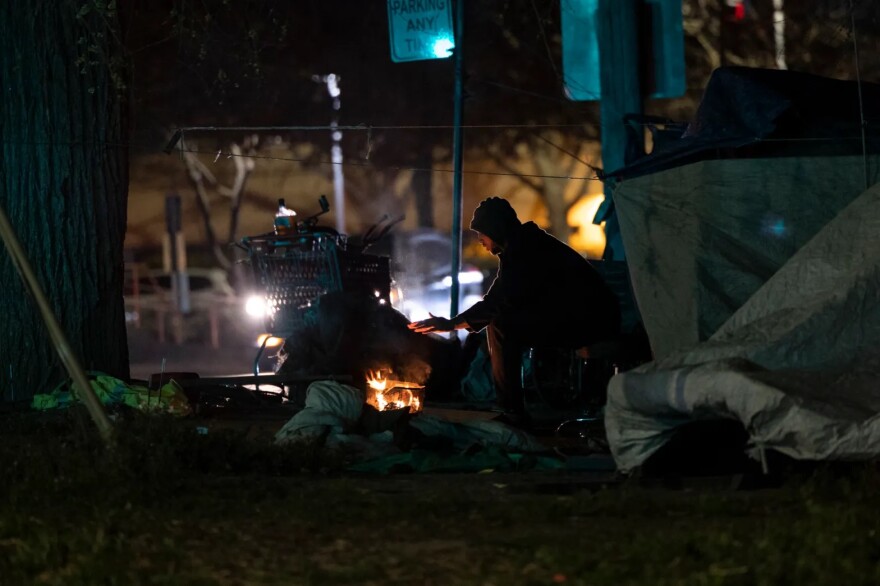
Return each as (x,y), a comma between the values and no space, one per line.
(332,82)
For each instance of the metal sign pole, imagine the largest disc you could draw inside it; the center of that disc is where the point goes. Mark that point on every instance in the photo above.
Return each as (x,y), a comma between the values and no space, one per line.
(176,255)
(457,156)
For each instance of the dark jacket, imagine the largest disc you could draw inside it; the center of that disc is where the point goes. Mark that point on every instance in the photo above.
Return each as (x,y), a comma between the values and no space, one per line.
(542,277)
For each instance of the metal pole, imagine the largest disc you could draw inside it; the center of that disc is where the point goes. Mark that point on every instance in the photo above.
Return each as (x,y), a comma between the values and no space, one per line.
(617,27)
(176,257)
(332,82)
(62,347)
(457,156)
(862,122)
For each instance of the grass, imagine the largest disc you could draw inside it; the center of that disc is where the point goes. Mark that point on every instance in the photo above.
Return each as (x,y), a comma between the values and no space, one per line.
(170,506)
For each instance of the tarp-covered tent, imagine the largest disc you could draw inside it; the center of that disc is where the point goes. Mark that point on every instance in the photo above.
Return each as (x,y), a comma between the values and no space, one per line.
(756,271)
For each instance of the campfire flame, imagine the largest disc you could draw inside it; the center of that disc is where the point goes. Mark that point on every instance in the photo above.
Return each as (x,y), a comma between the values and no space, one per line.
(385,394)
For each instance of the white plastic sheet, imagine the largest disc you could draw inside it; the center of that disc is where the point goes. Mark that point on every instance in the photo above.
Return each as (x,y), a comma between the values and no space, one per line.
(797,361)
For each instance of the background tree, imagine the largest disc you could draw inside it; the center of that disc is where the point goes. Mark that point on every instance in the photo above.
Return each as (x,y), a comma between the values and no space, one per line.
(64,186)
(819,36)
(262,68)
(516,117)
(515,82)
(254,63)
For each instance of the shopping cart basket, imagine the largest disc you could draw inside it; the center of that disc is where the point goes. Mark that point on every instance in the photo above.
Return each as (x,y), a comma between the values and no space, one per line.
(295,270)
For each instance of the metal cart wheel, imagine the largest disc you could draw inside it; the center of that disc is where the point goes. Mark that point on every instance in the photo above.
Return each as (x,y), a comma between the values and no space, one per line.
(563,381)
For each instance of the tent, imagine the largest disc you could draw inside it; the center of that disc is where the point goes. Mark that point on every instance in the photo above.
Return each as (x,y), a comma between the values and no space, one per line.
(752,247)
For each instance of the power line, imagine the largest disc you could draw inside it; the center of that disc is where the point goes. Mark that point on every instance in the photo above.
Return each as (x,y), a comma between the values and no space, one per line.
(560,80)
(229,155)
(370,127)
(568,152)
(528,92)
(351,163)
(544,38)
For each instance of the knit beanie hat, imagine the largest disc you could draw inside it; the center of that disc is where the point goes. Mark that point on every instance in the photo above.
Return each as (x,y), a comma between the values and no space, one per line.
(495,218)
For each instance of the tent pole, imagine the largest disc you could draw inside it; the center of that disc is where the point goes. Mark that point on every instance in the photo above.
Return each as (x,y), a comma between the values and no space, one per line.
(852,17)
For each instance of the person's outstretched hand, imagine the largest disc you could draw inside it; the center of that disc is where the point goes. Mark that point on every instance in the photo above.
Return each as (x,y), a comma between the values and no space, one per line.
(432,324)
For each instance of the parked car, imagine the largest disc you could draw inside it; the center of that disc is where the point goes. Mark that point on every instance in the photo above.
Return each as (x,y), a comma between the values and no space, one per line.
(217,315)
(432,294)
(422,273)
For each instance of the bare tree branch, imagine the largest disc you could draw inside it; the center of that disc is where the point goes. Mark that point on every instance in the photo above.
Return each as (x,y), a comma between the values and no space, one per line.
(504,164)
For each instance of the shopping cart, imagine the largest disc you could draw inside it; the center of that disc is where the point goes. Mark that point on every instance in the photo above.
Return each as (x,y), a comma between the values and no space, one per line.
(293,271)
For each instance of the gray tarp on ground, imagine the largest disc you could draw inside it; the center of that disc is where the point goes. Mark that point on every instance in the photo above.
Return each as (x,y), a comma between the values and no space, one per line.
(798,363)
(332,411)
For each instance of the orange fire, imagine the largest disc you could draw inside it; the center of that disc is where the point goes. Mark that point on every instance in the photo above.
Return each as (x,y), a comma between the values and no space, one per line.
(385,394)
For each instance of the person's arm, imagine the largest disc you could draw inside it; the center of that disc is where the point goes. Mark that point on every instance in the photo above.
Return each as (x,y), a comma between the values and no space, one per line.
(482,312)
(438,324)
(478,315)
(474,319)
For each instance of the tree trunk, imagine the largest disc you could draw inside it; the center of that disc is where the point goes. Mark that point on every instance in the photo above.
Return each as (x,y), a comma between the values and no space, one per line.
(557,211)
(550,160)
(64,187)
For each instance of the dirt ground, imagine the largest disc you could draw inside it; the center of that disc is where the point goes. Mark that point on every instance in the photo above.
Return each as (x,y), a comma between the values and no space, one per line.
(169,504)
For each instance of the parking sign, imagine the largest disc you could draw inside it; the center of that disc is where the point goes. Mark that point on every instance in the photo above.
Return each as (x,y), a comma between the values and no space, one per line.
(420,29)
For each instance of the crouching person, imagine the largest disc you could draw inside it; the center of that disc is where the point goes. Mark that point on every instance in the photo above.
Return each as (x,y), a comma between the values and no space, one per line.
(544,294)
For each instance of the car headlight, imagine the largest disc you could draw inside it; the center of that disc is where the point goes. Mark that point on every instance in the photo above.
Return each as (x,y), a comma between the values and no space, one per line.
(464,278)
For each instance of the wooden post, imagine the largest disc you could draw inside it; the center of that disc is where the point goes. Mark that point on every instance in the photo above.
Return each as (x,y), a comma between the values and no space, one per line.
(214,323)
(136,293)
(160,324)
(177,326)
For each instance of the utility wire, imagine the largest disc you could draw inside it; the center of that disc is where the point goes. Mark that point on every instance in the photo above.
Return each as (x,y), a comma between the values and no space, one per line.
(560,78)
(556,99)
(371,127)
(544,38)
(567,152)
(352,163)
